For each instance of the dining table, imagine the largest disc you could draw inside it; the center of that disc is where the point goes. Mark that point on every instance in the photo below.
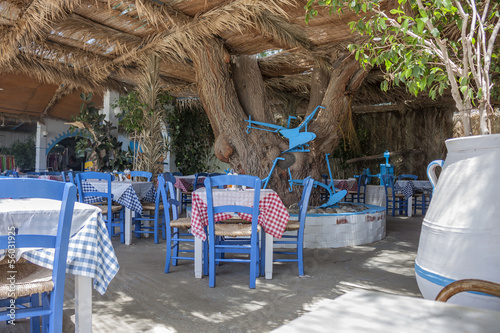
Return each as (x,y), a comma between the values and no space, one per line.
(273,218)
(409,188)
(185,184)
(362,310)
(127,193)
(91,257)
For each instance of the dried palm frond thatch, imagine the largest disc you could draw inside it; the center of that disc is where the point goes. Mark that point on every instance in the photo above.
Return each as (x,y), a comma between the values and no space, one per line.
(33,21)
(151,140)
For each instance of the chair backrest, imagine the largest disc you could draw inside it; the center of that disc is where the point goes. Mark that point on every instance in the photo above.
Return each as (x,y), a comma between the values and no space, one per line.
(166,192)
(362,182)
(197,183)
(213,174)
(145,174)
(64,175)
(50,173)
(308,184)
(83,196)
(251,182)
(388,181)
(72,176)
(21,188)
(407,176)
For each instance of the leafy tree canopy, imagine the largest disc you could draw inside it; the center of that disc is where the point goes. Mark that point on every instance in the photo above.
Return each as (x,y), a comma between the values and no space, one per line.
(429,45)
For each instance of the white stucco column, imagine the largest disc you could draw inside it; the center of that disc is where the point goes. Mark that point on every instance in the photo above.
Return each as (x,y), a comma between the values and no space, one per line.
(41,147)
(110,97)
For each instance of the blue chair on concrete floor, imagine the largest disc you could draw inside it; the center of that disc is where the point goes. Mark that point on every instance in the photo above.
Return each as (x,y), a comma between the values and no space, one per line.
(407,177)
(140,221)
(217,248)
(38,281)
(359,194)
(296,240)
(144,174)
(186,196)
(175,227)
(113,214)
(393,200)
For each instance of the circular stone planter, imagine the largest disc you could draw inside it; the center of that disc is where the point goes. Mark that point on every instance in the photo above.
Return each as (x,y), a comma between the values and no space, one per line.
(344,229)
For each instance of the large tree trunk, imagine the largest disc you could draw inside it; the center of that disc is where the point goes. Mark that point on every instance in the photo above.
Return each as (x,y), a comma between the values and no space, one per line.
(231,94)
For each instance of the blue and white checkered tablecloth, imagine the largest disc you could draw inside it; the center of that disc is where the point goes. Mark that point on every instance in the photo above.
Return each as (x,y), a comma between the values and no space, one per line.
(409,187)
(90,252)
(129,198)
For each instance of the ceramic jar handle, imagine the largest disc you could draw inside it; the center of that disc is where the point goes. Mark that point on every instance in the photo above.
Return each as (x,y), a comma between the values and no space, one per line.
(431,171)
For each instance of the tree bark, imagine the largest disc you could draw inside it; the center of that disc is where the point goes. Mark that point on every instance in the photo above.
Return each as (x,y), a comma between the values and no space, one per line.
(231,94)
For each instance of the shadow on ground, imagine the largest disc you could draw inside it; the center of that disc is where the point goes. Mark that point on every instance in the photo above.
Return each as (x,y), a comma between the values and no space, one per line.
(141,298)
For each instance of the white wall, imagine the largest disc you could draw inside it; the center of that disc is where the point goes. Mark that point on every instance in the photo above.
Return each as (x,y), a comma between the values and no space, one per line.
(9,137)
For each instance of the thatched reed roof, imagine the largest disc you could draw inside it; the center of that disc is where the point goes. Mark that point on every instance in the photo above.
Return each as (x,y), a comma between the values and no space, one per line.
(58,48)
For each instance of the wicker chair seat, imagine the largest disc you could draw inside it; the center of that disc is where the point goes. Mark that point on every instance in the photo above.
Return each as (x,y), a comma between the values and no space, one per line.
(292,226)
(181,223)
(30,279)
(104,208)
(150,206)
(234,230)
(236,219)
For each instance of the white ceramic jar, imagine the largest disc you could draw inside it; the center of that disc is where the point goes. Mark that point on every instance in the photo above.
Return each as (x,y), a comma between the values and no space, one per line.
(460,237)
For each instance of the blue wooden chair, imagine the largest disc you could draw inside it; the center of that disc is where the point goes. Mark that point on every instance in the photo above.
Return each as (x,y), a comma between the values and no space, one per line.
(186,196)
(297,226)
(393,200)
(407,177)
(175,227)
(359,194)
(51,287)
(144,174)
(218,248)
(113,214)
(157,220)
(50,173)
(139,226)
(213,174)
(420,199)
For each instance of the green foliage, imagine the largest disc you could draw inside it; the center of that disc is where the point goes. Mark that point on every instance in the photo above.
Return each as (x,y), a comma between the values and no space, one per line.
(345,152)
(24,153)
(410,44)
(191,138)
(131,117)
(103,146)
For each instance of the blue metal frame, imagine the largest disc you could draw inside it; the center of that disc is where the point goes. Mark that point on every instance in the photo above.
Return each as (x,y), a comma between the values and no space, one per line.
(334,197)
(297,140)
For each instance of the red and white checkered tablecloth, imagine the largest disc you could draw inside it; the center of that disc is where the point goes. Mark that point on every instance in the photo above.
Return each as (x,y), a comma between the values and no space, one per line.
(348,185)
(185,183)
(273,216)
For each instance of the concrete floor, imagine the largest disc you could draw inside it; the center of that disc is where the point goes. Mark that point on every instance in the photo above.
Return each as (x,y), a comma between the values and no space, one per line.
(141,298)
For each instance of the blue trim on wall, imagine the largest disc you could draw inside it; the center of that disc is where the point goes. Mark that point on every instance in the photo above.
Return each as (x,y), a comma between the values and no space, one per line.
(440,280)
(60,137)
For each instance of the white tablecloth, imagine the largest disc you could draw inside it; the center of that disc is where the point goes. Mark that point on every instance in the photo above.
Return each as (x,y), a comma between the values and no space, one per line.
(90,252)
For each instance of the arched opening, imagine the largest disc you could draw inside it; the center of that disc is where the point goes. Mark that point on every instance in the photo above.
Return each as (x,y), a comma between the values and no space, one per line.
(62,156)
